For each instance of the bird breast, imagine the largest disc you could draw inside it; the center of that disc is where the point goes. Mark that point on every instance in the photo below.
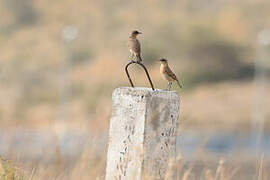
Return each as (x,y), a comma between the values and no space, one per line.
(134,45)
(166,76)
(162,69)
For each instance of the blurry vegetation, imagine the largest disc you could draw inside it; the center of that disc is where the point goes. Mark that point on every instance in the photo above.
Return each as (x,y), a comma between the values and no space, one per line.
(23,13)
(217,59)
(9,172)
(80,56)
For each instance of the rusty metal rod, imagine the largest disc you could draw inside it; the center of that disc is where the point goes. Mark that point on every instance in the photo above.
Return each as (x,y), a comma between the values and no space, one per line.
(126,68)
(145,69)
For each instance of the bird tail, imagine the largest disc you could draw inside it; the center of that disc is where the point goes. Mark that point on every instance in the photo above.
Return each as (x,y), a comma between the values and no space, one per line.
(179,84)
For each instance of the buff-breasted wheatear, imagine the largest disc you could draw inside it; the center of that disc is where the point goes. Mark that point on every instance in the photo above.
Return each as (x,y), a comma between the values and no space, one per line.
(168,74)
(134,45)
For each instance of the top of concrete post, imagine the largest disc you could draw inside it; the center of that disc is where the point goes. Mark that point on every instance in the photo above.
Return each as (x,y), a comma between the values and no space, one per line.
(145,92)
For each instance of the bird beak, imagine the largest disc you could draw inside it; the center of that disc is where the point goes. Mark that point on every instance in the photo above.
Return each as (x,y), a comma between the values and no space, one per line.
(140,33)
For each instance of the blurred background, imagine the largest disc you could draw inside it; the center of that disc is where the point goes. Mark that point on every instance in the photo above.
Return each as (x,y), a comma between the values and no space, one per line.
(61,60)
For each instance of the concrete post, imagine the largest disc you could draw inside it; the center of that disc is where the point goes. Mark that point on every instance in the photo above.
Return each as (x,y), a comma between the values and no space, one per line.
(142,138)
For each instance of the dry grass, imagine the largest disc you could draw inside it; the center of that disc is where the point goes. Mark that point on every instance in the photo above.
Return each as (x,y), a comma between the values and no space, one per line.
(89,166)
(8,171)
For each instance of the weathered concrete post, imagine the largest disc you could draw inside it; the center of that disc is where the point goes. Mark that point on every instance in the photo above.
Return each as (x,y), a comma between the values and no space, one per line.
(142,138)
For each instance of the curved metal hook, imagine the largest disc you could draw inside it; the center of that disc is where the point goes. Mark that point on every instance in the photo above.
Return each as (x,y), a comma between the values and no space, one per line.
(149,79)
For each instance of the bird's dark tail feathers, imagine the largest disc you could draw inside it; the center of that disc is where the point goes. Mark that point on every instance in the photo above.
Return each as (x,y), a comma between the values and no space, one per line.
(179,84)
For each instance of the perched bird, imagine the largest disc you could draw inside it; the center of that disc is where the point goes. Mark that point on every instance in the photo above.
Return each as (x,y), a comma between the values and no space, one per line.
(168,74)
(134,45)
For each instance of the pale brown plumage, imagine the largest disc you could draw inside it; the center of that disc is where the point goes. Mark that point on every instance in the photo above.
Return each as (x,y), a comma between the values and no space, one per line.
(134,45)
(168,74)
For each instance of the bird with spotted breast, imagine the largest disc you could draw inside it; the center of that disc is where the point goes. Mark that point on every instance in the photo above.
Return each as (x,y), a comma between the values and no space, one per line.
(167,73)
(134,45)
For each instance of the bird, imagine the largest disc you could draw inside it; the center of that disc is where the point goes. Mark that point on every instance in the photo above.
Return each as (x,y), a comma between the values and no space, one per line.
(168,74)
(134,45)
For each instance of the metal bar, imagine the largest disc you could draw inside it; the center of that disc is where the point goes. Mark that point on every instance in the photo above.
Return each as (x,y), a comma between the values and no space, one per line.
(126,68)
(149,79)
(145,69)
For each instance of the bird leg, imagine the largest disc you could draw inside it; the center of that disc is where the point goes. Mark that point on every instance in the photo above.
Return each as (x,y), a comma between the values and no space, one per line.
(133,57)
(169,86)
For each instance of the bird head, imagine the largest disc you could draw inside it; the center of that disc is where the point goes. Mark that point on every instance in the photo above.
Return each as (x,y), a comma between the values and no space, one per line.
(135,33)
(164,61)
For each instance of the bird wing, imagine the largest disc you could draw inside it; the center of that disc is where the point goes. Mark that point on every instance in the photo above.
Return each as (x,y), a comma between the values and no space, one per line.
(170,73)
(134,45)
